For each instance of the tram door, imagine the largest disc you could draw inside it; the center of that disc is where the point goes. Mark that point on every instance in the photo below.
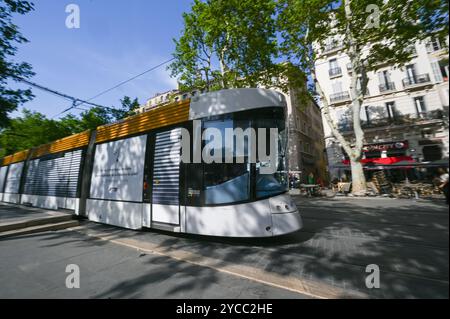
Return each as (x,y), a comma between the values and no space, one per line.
(166,178)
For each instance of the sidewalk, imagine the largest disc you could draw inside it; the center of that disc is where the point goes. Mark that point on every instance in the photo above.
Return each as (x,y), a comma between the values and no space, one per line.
(18,220)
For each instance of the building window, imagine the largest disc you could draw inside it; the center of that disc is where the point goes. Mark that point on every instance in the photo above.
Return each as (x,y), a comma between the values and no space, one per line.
(411,73)
(337,87)
(421,110)
(372,154)
(391,111)
(433,45)
(334,69)
(432,153)
(367,110)
(443,65)
(440,70)
(385,81)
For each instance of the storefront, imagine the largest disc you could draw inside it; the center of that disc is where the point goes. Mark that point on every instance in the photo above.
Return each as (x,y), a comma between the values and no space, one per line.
(383,153)
(396,159)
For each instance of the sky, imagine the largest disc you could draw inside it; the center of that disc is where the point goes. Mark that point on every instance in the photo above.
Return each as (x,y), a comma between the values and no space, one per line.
(116,41)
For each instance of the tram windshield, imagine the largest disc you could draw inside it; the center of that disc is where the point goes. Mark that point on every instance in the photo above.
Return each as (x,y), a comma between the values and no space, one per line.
(225,182)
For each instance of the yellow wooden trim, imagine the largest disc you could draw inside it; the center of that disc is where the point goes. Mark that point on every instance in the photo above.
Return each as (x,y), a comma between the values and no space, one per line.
(15,158)
(173,113)
(64,144)
(170,114)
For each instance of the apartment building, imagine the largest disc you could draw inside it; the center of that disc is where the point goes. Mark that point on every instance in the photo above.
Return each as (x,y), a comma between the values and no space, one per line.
(405,113)
(160,99)
(306,147)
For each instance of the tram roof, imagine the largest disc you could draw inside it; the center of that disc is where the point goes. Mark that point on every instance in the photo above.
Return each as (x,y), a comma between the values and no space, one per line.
(234,100)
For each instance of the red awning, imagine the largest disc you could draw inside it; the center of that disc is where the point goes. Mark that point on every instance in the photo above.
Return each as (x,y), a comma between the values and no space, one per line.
(383,161)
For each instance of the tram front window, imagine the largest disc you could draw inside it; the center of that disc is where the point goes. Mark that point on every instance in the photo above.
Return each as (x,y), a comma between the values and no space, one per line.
(277,182)
(226,182)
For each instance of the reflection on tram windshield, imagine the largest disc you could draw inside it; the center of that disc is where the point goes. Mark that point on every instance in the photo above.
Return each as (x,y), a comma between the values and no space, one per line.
(272,184)
(231,182)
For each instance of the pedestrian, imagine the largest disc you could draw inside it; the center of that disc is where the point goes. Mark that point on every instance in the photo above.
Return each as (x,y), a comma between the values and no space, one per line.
(443,177)
(311,179)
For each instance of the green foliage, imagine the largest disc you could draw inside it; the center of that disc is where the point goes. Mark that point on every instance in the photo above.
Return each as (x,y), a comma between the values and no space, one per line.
(128,107)
(306,27)
(32,129)
(226,44)
(10,99)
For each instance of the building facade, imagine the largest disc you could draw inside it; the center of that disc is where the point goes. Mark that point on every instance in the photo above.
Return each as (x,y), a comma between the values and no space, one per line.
(405,113)
(160,99)
(306,147)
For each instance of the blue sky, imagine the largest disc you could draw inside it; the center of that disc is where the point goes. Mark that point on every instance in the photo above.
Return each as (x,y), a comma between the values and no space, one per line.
(116,40)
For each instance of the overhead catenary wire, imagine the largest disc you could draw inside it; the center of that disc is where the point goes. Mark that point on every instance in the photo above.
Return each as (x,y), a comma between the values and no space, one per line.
(43,88)
(76,102)
(116,86)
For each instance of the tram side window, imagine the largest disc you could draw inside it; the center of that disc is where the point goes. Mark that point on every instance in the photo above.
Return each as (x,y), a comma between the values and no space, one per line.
(226,182)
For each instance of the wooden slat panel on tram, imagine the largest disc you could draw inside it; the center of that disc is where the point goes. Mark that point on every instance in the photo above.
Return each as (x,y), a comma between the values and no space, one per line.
(15,158)
(64,144)
(159,117)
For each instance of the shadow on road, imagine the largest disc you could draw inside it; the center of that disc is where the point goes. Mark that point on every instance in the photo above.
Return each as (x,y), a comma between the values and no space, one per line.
(408,240)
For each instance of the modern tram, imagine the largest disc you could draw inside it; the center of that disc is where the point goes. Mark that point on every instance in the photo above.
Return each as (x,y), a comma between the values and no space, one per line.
(131,173)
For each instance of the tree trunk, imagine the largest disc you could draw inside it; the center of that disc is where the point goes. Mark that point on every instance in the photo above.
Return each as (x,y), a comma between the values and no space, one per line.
(359,186)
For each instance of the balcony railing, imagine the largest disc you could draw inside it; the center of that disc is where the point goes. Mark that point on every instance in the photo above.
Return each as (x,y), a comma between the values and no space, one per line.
(388,86)
(332,46)
(408,119)
(339,97)
(335,71)
(417,80)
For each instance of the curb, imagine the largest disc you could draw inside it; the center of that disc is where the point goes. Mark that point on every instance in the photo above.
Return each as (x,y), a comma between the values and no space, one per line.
(39,229)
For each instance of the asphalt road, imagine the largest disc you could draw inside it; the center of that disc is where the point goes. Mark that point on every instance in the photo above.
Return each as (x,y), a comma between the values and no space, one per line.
(34,266)
(407,239)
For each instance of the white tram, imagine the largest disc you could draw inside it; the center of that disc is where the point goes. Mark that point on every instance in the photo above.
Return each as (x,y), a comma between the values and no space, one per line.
(131,174)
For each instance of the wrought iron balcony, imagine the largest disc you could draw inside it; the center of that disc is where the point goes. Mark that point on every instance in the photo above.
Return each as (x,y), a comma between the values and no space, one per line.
(335,72)
(421,79)
(388,86)
(408,119)
(335,45)
(339,97)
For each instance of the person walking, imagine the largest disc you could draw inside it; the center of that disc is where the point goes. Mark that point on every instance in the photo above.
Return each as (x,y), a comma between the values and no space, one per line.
(311,181)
